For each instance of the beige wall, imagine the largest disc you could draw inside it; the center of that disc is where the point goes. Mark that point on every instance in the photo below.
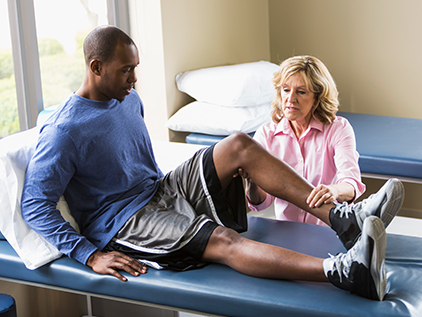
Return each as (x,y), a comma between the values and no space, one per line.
(146,30)
(193,34)
(203,33)
(372,47)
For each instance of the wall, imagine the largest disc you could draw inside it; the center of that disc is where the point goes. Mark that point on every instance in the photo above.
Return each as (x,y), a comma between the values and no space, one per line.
(146,31)
(372,48)
(192,34)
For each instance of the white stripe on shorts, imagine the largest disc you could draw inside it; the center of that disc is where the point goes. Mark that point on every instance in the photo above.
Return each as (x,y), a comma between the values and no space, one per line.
(159,251)
(205,188)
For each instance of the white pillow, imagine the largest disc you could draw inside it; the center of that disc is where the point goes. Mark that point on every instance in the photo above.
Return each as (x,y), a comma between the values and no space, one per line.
(15,152)
(169,155)
(214,119)
(240,85)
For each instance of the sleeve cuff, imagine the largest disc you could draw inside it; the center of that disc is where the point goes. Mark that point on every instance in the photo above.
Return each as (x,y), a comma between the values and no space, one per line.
(83,252)
(358,186)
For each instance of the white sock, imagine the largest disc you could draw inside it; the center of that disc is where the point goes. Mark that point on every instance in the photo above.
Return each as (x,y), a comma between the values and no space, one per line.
(327,264)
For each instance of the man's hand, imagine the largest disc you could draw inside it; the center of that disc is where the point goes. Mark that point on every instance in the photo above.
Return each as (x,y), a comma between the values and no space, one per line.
(109,263)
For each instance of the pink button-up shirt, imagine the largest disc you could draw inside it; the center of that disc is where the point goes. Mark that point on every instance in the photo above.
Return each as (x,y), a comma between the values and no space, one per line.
(324,154)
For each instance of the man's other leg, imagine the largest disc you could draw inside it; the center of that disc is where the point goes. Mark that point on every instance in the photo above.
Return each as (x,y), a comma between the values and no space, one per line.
(361,270)
(228,247)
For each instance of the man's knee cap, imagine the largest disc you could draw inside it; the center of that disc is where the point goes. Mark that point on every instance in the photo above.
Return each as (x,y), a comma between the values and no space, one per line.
(240,140)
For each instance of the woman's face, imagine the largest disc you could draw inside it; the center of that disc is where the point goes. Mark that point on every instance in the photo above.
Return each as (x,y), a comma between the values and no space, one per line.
(297,100)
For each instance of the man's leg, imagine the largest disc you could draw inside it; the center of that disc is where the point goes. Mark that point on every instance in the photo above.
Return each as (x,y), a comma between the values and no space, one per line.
(228,247)
(278,179)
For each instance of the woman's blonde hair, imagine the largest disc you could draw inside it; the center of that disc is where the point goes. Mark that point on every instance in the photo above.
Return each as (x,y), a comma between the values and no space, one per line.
(317,79)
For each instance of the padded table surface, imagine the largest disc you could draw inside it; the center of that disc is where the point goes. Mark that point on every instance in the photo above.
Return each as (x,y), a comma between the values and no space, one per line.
(216,289)
(387,145)
(206,139)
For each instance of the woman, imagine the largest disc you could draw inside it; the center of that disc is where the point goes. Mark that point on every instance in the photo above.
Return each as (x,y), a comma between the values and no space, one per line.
(306,133)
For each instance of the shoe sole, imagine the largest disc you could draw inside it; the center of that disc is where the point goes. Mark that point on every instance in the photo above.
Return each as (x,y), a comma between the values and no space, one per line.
(374,229)
(394,191)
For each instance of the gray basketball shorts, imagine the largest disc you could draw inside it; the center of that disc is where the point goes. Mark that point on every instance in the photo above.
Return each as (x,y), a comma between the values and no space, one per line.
(173,229)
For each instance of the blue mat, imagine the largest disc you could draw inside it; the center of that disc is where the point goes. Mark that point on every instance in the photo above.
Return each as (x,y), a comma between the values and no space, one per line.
(220,290)
(387,145)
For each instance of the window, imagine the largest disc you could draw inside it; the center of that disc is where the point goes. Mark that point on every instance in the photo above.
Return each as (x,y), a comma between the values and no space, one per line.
(46,39)
(61,28)
(9,120)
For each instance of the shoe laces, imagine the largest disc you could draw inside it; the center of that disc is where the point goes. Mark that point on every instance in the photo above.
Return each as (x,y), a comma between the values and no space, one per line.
(346,209)
(343,262)
(343,209)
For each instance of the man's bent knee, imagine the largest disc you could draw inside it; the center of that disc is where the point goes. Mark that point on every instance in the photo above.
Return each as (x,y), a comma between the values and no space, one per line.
(236,151)
(239,141)
(234,147)
(220,245)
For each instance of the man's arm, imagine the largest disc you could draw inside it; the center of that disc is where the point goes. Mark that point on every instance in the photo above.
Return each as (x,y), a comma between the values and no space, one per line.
(48,174)
(47,177)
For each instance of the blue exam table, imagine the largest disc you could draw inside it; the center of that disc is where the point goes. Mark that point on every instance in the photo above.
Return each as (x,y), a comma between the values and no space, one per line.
(219,290)
(387,145)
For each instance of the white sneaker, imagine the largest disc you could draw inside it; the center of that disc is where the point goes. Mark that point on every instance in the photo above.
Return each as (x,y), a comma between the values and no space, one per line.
(362,269)
(347,220)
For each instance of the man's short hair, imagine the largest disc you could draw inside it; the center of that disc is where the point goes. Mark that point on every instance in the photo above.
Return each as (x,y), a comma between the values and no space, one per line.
(101,43)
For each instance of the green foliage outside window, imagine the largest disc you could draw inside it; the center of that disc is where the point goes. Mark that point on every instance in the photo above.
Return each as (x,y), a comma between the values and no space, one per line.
(9,120)
(61,75)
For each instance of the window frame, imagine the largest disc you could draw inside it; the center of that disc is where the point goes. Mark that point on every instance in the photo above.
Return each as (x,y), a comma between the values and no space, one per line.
(26,60)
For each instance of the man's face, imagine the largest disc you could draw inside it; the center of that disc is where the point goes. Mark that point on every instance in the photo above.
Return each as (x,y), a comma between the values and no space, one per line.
(118,75)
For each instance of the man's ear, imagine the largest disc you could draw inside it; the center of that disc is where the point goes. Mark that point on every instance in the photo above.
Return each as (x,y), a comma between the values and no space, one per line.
(95,66)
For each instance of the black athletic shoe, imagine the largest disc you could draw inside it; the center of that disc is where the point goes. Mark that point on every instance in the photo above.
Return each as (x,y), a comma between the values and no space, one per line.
(347,220)
(361,270)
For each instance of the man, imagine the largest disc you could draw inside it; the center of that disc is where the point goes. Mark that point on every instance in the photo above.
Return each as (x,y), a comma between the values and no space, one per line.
(95,149)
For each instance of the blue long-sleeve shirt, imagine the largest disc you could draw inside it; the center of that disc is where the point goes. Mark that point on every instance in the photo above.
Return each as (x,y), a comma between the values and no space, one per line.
(99,156)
